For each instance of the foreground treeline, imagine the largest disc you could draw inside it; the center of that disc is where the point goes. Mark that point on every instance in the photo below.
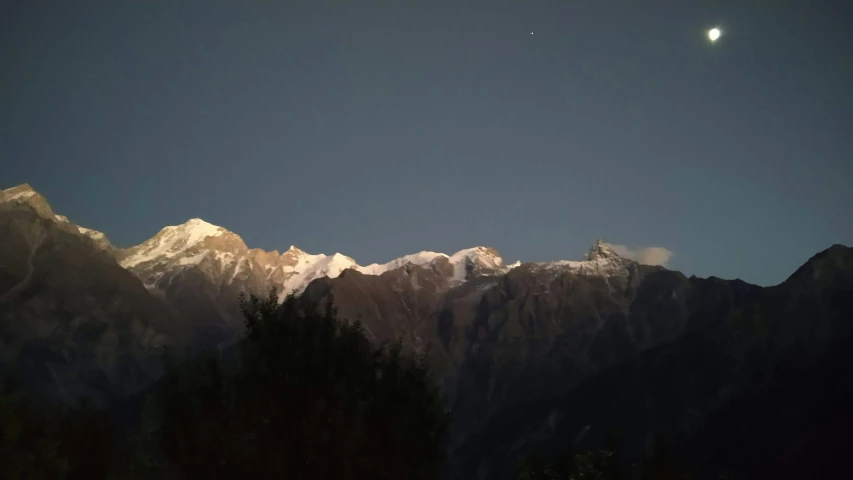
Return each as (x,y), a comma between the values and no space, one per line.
(306,397)
(659,463)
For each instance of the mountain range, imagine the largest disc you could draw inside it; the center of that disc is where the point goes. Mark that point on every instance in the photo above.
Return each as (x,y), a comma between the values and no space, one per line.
(531,356)
(199,268)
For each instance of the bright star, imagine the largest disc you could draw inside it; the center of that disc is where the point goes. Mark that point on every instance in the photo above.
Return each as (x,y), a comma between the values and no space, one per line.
(714,34)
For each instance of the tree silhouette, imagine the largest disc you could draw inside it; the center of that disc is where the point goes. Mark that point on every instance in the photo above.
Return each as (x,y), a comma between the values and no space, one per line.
(29,442)
(304,396)
(309,398)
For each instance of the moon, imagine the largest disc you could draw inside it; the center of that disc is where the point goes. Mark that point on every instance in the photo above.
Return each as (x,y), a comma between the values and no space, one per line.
(714,34)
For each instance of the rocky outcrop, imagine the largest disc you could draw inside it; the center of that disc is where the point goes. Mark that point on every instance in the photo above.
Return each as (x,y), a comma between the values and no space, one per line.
(24,194)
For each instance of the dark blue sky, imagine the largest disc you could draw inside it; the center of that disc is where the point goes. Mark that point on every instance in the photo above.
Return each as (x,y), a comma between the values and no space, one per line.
(382,128)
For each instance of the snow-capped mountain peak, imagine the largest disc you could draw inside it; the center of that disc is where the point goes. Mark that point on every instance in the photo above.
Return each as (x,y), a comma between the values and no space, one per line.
(294,256)
(483,255)
(196,229)
(600,251)
(181,241)
(465,263)
(601,260)
(295,276)
(474,262)
(418,259)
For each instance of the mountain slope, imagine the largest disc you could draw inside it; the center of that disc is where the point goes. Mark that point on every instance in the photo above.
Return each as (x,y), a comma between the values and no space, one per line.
(514,334)
(532,356)
(24,194)
(751,371)
(72,321)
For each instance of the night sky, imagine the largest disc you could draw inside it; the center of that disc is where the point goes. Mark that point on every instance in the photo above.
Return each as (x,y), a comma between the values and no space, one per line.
(377,129)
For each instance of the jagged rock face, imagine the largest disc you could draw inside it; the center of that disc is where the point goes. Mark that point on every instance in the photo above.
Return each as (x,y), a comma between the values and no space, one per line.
(543,334)
(728,360)
(532,356)
(510,335)
(399,302)
(25,195)
(100,240)
(72,321)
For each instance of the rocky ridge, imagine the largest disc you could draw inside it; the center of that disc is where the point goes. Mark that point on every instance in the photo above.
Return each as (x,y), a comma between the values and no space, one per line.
(225,260)
(24,194)
(197,244)
(72,321)
(200,268)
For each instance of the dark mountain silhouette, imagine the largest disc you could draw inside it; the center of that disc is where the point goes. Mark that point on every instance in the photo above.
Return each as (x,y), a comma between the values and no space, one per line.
(537,358)
(531,358)
(72,321)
